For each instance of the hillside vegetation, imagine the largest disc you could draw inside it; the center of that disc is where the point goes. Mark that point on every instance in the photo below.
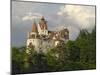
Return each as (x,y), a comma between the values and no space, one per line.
(74,55)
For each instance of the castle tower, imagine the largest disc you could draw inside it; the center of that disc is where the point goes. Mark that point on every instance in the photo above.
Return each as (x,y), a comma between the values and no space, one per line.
(33,41)
(42,27)
(34,27)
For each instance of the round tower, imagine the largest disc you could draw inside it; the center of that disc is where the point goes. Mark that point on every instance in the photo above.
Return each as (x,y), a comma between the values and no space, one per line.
(33,41)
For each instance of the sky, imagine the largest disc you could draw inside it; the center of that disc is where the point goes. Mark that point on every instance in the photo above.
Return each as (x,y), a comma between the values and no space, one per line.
(58,16)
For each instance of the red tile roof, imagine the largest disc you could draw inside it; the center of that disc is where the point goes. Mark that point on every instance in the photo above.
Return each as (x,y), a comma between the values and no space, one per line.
(34,27)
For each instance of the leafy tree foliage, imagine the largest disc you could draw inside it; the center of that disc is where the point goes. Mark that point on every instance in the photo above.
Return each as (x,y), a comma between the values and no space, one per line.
(74,55)
(74,51)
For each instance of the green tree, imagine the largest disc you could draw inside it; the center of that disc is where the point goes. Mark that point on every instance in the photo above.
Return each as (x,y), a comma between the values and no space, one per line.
(74,51)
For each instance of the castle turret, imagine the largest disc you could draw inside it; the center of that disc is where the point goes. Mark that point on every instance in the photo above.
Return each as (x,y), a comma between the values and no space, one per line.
(34,32)
(34,28)
(33,41)
(42,27)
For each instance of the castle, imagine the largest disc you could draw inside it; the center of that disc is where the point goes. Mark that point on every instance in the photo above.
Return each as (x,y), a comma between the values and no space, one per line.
(42,39)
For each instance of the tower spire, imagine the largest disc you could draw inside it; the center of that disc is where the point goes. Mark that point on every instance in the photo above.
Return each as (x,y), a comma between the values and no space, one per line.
(34,27)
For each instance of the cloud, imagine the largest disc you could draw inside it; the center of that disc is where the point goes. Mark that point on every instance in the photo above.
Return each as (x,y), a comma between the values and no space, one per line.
(82,16)
(31,16)
(73,32)
(57,15)
(77,17)
(59,27)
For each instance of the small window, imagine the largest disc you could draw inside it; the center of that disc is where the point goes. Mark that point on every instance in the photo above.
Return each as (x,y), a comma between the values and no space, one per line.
(33,36)
(30,45)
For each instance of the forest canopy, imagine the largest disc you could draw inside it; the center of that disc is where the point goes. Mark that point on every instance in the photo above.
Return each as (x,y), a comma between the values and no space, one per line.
(73,55)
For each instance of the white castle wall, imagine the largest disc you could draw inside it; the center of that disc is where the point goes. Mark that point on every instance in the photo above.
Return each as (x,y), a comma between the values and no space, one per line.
(35,42)
(42,31)
(39,29)
(40,45)
(46,45)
